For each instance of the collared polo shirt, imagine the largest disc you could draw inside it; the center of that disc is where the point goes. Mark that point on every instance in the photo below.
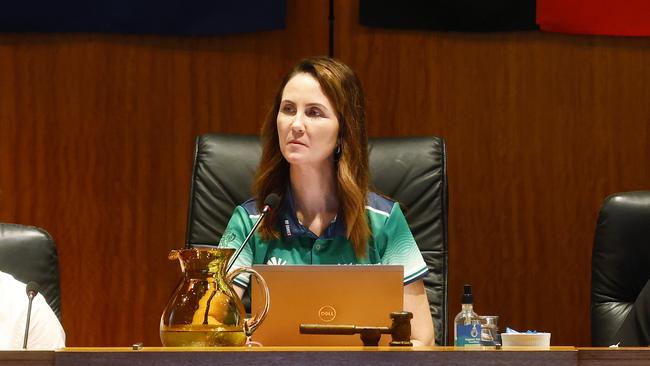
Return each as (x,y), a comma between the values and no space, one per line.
(391,241)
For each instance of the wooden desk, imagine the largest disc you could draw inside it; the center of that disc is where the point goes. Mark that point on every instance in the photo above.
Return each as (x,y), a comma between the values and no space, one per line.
(632,356)
(337,356)
(26,358)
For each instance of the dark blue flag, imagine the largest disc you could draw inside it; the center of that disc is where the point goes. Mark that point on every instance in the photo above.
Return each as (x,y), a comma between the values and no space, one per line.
(171,17)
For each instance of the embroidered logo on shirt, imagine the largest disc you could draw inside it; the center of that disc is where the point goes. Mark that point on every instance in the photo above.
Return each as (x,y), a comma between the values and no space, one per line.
(228,237)
(276,261)
(287,226)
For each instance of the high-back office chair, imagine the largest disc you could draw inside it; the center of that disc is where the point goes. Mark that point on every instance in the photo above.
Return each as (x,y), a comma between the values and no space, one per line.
(620,264)
(411,170)
(28,253)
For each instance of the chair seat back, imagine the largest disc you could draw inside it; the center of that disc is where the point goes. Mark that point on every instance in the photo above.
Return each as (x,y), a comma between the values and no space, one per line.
(620,263)
(29,254)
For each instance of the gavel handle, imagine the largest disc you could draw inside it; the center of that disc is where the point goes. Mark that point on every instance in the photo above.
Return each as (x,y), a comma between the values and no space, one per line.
(400,330)
(340,329)
(369,335)
(327,329)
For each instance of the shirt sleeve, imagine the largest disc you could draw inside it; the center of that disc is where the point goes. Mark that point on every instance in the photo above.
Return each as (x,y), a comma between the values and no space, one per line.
(401,247)
(45,330)
(233,237)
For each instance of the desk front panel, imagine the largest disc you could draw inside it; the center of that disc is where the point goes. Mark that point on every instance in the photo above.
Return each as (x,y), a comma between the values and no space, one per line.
(338,356)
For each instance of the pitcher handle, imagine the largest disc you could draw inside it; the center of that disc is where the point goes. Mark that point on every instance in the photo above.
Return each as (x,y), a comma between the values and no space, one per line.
(250,324)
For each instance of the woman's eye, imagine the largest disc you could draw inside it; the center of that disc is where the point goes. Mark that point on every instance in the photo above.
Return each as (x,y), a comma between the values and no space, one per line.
(314,112)
(288,109)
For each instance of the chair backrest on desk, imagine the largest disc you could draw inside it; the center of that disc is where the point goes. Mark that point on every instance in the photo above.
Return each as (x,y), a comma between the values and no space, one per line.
(620,265)
(28,253)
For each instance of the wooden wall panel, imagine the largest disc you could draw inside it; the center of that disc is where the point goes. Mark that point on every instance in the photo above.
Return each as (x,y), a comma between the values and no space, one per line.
(540,128)
(96,140)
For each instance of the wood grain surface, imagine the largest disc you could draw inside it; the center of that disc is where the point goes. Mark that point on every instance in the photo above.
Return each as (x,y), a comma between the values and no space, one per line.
(335,356)
(327,355)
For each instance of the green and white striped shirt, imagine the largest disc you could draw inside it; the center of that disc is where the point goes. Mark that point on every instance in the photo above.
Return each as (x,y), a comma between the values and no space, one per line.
(391,241)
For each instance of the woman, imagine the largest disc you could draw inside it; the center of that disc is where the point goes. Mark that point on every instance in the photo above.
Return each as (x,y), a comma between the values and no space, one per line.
(315,156)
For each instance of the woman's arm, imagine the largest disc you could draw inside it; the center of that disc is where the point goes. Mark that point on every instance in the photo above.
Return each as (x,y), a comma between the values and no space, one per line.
(415,301)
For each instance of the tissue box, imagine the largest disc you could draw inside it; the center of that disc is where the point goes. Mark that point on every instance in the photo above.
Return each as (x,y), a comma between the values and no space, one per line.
(533,340)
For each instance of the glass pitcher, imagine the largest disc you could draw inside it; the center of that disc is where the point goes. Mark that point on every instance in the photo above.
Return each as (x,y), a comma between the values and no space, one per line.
(205,310)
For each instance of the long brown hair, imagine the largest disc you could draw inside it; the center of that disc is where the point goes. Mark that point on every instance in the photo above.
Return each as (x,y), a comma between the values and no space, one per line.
(342,87)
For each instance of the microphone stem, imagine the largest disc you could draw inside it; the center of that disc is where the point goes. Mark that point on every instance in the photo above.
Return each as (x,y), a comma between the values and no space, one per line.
(250,234)
(232,259)
(29,312)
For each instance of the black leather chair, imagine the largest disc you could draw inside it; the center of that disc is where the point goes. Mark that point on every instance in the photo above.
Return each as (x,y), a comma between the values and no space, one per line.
(621,270)
(29,254)
(411,170)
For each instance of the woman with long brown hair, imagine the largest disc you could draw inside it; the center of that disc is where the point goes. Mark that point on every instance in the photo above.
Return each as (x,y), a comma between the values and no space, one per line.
(315,156)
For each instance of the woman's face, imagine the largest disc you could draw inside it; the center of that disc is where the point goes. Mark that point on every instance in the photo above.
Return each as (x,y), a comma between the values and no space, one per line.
(307,124)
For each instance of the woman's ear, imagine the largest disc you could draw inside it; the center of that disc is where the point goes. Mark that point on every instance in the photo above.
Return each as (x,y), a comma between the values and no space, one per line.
(337,149)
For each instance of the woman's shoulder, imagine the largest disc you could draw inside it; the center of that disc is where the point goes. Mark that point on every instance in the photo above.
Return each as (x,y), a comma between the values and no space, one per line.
(379,204)
(250,206)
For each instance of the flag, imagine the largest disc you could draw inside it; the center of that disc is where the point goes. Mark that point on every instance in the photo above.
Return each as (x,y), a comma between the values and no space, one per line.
(606,17)
(449,15)
(170,17)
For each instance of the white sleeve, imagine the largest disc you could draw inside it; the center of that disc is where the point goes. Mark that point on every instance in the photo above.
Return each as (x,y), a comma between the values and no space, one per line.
(45,331)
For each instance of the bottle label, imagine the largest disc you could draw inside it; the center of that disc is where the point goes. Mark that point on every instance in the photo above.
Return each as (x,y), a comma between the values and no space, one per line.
(468,335)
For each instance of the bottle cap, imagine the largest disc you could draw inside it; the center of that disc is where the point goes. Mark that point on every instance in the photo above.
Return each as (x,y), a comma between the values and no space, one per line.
(467,298)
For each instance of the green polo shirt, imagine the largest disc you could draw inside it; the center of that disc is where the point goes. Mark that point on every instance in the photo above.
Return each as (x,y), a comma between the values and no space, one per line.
(391,241)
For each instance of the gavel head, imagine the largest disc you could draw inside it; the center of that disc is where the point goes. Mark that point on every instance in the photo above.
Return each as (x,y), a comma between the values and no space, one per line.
(400,330)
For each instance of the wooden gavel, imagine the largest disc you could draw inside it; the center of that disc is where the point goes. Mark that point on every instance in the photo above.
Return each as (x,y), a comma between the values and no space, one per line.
(400,330)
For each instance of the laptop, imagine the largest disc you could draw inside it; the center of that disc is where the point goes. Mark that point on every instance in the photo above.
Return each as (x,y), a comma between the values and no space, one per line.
(361,295)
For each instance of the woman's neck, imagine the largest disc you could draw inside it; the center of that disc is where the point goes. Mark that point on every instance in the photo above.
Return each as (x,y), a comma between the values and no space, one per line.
(315,195)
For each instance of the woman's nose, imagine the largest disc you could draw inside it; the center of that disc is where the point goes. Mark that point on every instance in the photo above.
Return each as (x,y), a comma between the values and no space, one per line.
(298,124)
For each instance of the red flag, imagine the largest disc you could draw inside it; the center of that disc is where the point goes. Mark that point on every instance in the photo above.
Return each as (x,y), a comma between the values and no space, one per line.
(608,17)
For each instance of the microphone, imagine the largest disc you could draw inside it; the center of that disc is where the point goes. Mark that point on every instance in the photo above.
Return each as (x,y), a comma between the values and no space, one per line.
(270,203)
(32,290)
